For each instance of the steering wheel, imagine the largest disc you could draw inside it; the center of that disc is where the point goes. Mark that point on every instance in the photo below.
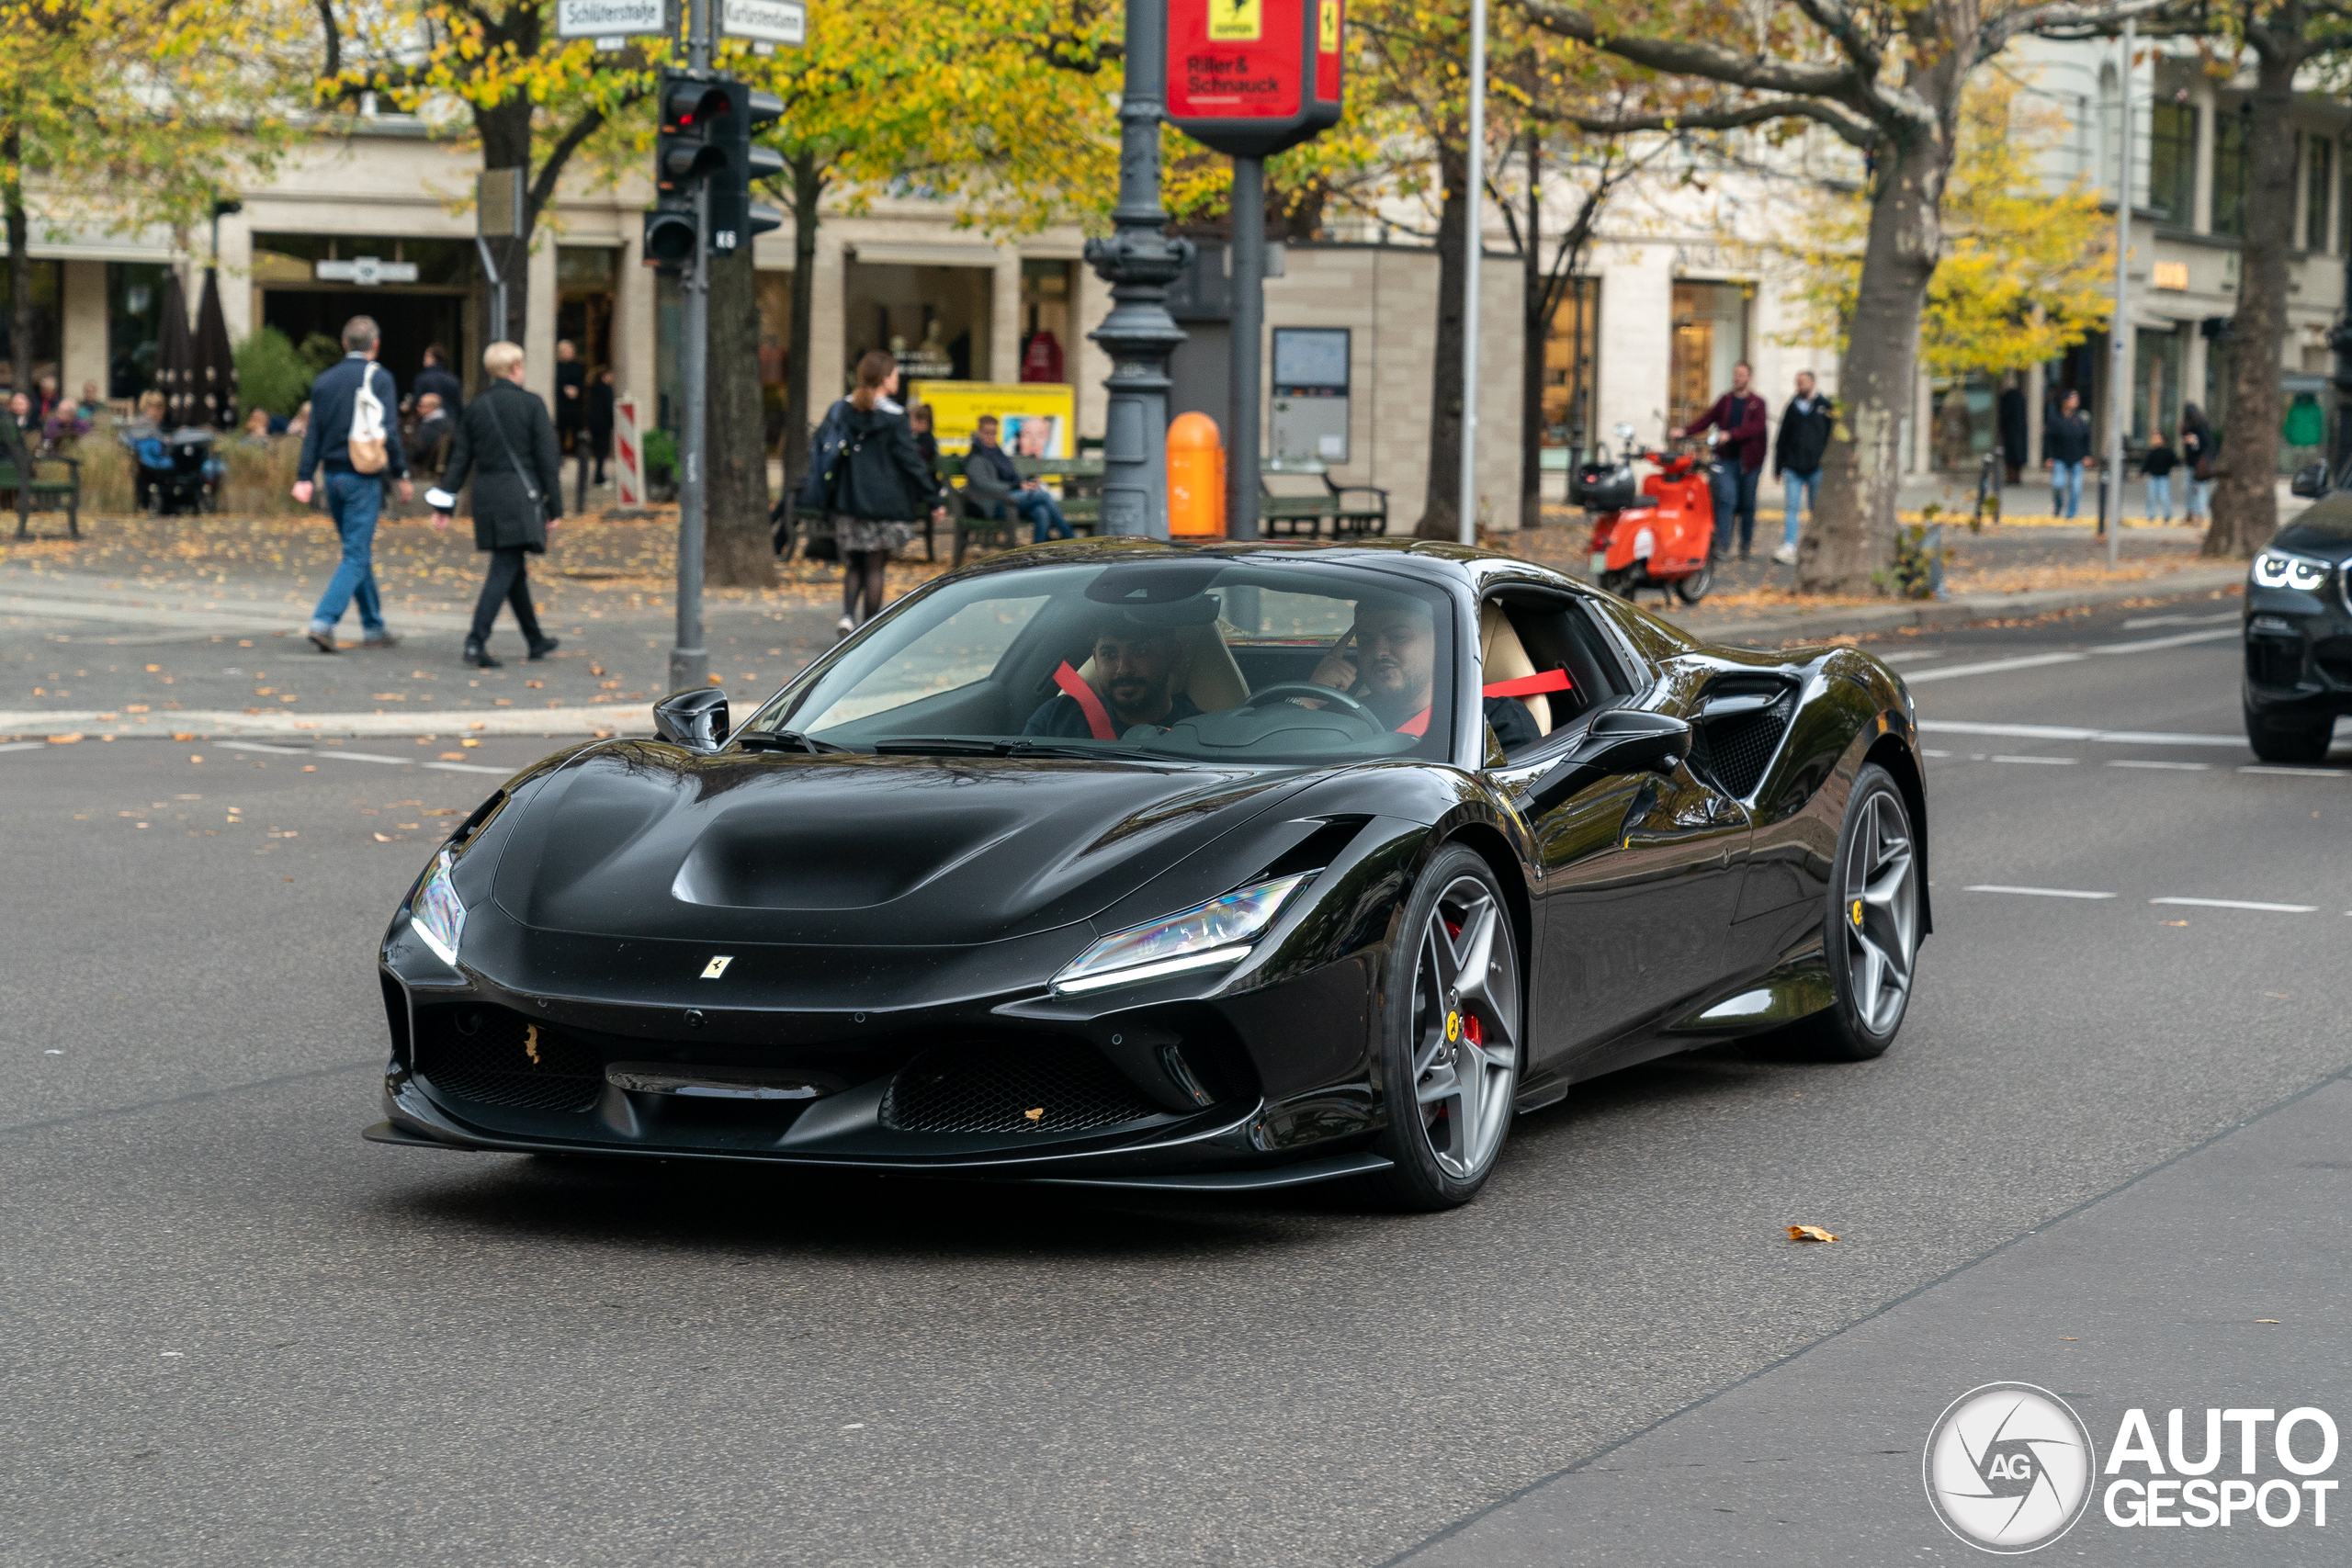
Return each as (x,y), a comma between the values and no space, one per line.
(1310,689)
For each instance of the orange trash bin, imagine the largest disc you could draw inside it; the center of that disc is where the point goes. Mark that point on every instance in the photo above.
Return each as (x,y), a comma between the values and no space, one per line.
(1195,478)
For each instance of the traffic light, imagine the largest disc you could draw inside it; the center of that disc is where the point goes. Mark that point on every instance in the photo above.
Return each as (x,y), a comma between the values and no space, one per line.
(670,233)
(734,216)
(686,147)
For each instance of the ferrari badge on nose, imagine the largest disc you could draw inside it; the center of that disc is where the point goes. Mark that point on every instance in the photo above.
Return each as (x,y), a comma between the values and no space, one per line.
(717,966)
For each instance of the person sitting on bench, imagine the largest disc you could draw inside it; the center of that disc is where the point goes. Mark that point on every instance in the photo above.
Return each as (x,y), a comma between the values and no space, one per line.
(991,479)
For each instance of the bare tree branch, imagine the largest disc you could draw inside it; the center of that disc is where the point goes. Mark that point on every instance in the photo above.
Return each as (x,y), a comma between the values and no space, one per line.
(1850,128)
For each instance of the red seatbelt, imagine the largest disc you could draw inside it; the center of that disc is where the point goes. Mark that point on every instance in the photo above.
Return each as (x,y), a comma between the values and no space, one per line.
(1097,717)
(1416,725)
(1528,685)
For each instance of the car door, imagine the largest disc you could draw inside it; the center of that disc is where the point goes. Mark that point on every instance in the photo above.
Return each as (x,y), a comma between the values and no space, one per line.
(1637,874)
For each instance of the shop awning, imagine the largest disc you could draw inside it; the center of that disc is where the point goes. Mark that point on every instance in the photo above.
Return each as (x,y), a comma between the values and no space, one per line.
(921,253)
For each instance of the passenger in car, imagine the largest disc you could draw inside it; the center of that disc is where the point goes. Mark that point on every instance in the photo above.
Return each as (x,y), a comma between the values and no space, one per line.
(1388,662)
(1136,670)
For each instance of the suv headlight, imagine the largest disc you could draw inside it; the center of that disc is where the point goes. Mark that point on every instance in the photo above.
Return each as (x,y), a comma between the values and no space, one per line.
(435,913)
(1220,932)
(2277,569)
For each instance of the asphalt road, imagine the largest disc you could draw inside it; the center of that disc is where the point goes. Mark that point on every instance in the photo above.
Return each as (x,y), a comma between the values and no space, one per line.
(237,1333)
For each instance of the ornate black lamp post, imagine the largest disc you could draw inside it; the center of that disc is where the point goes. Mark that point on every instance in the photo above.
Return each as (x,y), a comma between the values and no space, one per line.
(1138,261)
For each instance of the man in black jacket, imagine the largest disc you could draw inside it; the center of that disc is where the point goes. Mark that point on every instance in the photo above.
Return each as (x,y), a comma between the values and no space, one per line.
(2066,443)
(354,498)
(438,378)
(1796,458)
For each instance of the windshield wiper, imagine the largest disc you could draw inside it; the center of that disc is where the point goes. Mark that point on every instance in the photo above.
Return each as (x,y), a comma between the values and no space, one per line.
(786,741)
(1024,746)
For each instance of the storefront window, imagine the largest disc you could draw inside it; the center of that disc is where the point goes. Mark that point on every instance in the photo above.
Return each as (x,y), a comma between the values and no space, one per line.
(134,324)
(933,319)
(1967,420)
(583,311)
(47,286)
(1710,337)
(2172,163)
(440,264)
(775,293)
(2155,382)
(2319,178)
(1048,294)
(2229,173)
(1571,387)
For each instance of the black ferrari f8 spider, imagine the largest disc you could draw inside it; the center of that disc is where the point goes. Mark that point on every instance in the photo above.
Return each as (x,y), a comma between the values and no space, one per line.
(1178,867)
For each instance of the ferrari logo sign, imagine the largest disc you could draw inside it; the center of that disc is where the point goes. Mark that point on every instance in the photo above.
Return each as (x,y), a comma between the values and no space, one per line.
(717,966)
(1237,21)
(1857,914)
(1452,1027)
(1327,32)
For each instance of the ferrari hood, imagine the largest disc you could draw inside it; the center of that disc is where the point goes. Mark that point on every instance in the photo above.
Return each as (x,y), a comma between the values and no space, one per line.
(645,840)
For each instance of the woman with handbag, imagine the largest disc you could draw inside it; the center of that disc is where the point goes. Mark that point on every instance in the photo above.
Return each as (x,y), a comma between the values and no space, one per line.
(876,489)
(507,443)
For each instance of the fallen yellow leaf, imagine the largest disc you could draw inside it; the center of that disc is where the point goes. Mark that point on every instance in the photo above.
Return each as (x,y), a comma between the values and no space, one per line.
(383,840)
(1037,1115)
(1809,1233)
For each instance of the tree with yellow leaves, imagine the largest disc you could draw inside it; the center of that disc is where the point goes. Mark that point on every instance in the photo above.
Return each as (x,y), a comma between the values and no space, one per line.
(119,114)
(2027,265)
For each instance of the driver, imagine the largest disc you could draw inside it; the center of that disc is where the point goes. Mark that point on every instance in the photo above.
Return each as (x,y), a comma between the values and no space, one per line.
(1136,670)
(1388,662)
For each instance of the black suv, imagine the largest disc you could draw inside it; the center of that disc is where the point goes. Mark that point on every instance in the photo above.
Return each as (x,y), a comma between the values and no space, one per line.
(2298,635)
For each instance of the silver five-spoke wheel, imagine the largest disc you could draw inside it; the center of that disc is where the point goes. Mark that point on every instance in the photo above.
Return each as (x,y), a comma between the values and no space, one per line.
(1466,1027)
(1881,912)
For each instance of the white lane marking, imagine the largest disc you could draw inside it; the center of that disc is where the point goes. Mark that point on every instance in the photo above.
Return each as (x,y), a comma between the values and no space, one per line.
(2030,661)
(466,768)
(1931,752)
(2152,644)
(25,746)
(2036,892)
(1911,653)
(2175,767)
(257,746)
(2070,732)
(2140,622)
(2297,772)
(2036,660)
(2240,904)
(356,757)
(2054,761)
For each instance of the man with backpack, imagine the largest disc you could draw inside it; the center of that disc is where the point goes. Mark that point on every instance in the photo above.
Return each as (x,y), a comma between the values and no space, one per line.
(353,436)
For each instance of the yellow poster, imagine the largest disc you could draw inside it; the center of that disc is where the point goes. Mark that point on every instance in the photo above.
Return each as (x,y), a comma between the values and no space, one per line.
(1035,419)
(1327,28)
(1236,21)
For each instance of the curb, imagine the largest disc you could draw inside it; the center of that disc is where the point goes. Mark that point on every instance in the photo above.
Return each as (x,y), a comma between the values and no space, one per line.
(1961,611)
(212,725)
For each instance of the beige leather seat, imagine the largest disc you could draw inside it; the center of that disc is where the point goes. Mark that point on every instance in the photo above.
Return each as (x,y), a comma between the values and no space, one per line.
(1210,677)
(1502,656)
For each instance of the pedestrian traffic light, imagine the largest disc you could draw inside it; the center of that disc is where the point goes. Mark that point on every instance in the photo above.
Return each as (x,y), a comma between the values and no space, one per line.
(686,147)
(734,216)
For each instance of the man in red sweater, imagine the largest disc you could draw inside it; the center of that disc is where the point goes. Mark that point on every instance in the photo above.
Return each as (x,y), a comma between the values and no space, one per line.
(1739,414)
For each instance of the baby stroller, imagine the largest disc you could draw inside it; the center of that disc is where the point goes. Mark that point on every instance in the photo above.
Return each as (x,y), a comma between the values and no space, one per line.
(177,472)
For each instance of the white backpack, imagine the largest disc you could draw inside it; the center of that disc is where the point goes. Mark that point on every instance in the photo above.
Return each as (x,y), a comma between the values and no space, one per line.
(367,441)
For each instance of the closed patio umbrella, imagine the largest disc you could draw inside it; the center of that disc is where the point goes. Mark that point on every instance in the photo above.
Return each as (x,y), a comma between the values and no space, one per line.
(175,359)
(216,361)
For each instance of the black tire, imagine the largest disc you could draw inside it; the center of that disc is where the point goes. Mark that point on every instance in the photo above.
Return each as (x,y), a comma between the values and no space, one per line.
(2276,742)
(1856,1027)
(1452,1045)
(1693,588)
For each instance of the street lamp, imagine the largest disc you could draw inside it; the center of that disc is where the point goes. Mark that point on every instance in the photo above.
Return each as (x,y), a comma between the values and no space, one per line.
(1467,524)
(1138,261)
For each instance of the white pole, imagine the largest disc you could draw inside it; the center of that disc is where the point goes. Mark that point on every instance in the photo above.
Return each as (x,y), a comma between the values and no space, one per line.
(2120,391)
(1470,246)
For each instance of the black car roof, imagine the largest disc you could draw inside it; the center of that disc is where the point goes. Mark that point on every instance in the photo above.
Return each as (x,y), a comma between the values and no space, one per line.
(1431,560)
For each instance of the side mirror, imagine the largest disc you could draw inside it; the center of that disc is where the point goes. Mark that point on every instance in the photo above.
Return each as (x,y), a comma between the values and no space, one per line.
(695,718)
(1620,741)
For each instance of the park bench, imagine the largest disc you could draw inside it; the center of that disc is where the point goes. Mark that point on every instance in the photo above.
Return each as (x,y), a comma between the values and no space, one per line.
(1082,503)
(20,473)
(1298,499)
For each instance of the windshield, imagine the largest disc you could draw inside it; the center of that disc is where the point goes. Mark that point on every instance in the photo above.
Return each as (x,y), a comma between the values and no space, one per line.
(1186,658)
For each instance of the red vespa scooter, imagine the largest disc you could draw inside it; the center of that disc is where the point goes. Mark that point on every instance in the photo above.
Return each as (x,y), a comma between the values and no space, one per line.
(1659,536)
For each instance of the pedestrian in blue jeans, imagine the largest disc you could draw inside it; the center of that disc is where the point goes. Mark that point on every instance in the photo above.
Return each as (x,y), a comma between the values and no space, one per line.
(355,479)
(992,480)
(1739,462)
(1796,454)
(2066,443)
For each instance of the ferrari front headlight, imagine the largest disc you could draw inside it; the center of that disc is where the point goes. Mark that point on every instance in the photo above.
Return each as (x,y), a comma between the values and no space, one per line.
(436,914)
(1220,932)
(2277,569)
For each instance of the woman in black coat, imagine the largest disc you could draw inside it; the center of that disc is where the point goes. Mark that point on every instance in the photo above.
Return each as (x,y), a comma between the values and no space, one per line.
(876,489)
(507,443)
